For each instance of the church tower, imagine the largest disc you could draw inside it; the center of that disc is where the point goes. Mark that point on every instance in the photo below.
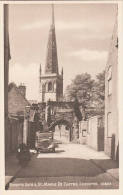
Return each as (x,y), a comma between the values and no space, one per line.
(51,82)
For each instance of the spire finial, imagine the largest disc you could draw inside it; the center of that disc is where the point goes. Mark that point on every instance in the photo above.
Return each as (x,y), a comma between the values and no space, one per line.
(53,14)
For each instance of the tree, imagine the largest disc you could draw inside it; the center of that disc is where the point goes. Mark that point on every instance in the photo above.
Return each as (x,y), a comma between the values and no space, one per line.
(77,109)
(98,97)
(90,93)
(80,88)
(100,84)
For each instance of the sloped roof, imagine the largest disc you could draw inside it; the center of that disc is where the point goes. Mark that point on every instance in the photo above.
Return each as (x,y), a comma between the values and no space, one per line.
(16,101)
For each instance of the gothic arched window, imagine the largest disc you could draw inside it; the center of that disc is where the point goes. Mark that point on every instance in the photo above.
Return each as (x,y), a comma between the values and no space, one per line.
(49,86)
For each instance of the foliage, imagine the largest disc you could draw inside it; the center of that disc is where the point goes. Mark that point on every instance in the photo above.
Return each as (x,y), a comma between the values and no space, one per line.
(99,92)
(90,93)
(81,88)
(77,110)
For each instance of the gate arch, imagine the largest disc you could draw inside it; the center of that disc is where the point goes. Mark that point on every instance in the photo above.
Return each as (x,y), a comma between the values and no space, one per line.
(57,113)
(60,122)
(62,134)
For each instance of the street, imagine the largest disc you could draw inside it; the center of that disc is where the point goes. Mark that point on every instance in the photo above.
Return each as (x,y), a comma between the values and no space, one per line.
(73,166)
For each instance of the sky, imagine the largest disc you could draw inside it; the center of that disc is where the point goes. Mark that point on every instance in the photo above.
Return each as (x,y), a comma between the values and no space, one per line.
(83,35)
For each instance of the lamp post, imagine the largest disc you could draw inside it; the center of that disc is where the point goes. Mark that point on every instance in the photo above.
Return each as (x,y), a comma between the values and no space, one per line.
(25,127)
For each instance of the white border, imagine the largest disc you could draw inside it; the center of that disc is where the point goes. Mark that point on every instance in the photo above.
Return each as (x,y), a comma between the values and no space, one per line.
(2,167)
(120,33)
(60,2)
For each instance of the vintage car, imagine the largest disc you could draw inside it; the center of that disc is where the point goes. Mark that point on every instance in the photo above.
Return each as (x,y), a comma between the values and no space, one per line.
(44,142)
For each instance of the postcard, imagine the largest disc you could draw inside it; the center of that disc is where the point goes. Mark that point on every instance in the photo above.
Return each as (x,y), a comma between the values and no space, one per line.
(61,108)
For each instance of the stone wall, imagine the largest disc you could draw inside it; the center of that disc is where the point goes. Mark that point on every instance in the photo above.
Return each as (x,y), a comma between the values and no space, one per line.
(83,125)
(95,133)
(111,99)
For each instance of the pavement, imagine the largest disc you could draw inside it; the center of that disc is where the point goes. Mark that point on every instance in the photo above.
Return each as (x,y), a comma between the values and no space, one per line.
(72,163)
(11,168)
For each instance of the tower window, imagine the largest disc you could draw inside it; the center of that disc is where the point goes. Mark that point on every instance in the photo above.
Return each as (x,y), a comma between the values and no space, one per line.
(49,86)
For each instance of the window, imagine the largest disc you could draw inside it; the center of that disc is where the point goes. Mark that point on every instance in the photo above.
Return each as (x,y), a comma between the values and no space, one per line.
(109,77)
(116,43)
(84,133)
(109,124)
(49,86)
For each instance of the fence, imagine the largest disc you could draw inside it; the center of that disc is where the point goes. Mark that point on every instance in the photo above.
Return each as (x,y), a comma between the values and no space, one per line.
(13,134)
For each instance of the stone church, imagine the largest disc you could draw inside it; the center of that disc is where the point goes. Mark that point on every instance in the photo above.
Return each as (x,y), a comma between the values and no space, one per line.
(51,82)
(59,116)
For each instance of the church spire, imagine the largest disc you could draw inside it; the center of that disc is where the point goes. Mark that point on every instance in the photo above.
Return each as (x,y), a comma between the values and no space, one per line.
(51,65)
(53,21)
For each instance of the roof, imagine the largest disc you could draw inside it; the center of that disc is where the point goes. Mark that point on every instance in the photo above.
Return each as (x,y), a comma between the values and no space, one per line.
(16,101)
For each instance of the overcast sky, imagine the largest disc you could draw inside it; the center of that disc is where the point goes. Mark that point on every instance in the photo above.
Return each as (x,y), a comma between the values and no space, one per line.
(83,34)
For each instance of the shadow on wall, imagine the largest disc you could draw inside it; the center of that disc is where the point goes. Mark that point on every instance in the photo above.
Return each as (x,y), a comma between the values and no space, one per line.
(114,156)
(113,147)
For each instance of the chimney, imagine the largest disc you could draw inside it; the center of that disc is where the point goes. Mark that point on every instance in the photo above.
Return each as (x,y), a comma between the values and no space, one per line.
(22,89)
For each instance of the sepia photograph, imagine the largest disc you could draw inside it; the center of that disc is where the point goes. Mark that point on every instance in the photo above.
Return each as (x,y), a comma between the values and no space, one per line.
(61,96)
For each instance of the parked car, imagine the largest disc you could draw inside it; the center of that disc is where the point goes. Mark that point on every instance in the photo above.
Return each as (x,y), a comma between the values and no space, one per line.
(45,142)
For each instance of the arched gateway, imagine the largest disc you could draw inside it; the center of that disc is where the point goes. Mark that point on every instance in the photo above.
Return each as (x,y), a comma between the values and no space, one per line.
(62,130)
(60,117)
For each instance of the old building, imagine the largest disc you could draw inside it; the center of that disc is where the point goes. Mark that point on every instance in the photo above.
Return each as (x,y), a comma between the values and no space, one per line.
(7,57)
(15,122)
(111,99)
(16,99)
(51,82)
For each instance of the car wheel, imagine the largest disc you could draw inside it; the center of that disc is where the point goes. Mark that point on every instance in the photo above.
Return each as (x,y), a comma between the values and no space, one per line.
(38,151)
(53,149)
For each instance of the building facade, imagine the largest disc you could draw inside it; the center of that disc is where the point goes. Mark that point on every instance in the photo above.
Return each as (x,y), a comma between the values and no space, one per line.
(111,99)
(51,82)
